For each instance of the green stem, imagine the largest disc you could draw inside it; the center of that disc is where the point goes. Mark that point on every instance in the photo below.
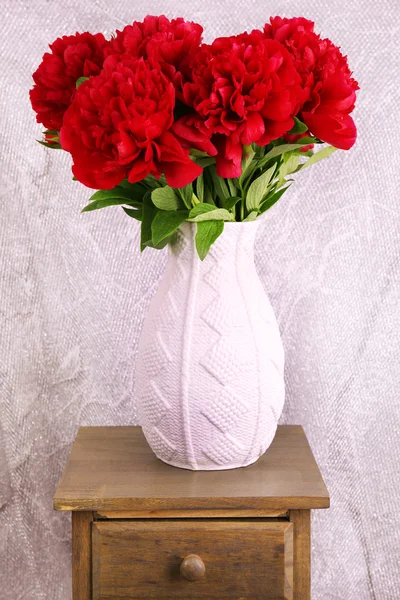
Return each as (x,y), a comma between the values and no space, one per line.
(242,209)
(242,201)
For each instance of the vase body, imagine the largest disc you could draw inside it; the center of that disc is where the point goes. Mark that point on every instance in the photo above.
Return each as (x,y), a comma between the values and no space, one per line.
(209,374)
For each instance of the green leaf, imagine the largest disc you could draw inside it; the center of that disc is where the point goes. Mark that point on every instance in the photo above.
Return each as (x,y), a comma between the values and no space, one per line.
(97,204)
(199,209)
(298,127)
(198,153)
(208,212)
(278,150)
(220,186)
(118,195)
(166,223)
(205,162)
(134,213)
(251,216)
(200,187)
(206,234)
(218,214)
(309,140)
(80,81)
(127,186)
(229,203)
(248,167)
(259,150)
(165,198)
(52,146)
(320,155)
(251,169)
(208,196)
(186,194)
(272,199)
(132,193)
(151,182)
(258,189)
(232,187)
(290,164)
(149,212)
(248,155)
(164,242)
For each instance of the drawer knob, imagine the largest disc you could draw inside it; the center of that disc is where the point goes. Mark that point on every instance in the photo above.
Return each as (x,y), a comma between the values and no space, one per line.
(192,567)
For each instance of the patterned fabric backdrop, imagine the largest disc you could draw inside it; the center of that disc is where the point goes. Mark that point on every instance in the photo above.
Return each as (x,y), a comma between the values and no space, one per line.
(74,292)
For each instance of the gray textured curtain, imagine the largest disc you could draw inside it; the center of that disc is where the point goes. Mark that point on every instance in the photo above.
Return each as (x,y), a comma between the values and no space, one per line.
(74,292)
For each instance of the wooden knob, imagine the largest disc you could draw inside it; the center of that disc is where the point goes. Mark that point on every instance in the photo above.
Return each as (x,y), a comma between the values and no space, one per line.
(192,567)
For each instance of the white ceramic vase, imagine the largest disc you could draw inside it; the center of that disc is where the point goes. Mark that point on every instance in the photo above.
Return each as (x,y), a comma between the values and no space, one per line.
(209,375)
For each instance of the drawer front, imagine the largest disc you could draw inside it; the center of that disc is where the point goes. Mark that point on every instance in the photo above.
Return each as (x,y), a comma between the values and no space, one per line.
(235,560)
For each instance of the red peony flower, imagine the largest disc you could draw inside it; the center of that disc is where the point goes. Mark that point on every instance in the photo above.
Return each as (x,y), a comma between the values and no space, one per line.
(171,44)
(118,126)
(244,89)
(71,57)
(327,80)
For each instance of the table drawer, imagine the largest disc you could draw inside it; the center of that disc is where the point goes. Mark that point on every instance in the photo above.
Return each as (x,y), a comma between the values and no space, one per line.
(142,560)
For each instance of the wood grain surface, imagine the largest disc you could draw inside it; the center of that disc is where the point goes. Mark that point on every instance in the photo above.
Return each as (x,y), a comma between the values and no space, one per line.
(189,514)
(114,469)
(243,560)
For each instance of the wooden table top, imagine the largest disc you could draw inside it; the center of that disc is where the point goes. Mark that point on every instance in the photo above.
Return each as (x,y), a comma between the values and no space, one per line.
(114,469)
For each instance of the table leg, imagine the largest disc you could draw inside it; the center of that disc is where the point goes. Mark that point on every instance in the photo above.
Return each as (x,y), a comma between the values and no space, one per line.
(302,554)
(81,555)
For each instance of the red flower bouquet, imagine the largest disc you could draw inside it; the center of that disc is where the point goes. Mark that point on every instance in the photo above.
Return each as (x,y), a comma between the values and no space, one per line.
(174,129)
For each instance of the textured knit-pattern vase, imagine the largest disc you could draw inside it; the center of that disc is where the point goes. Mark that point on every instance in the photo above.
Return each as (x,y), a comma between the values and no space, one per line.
(209,376)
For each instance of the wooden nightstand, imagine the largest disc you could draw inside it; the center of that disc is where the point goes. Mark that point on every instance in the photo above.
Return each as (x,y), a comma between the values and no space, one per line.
(142,530)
